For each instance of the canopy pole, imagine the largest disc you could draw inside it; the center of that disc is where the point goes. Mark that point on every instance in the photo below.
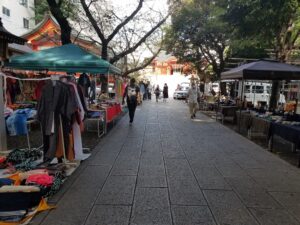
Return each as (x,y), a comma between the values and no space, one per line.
(241,105)
(3,141)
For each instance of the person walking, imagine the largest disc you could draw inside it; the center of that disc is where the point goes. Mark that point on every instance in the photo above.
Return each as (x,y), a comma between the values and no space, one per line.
(142,90)
(149,90)
(165,92)
(131,92)
(193,95)
(157,92)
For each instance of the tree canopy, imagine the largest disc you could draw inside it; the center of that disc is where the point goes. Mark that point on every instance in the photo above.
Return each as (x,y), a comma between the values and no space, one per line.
(199,35)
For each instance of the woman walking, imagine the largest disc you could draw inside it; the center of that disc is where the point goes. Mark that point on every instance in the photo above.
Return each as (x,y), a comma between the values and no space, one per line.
(157,92)
(165,92)
(131,93)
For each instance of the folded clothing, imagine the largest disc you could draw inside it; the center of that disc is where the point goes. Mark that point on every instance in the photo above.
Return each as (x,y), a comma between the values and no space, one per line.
(2,159)
(40,179)
(14,198)
(15,189)
(6,181)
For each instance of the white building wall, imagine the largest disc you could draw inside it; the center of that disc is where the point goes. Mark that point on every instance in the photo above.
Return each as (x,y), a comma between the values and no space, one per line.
(14,22)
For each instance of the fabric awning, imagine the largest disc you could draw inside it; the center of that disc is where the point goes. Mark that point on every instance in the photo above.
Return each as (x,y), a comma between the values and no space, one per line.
(263,70)
(67,58)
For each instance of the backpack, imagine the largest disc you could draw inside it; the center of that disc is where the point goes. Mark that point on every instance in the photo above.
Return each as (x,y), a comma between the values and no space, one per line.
(131,93)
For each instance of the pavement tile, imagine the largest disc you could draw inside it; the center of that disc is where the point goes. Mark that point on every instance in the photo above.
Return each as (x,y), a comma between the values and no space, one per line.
(126,167)
(118,190)
(291,201)
(173,152)
(192,215)
(185,191)
(151,170)
(178,168)
(231,170)
(274,217)
(109,215)
(151,181)
(210,178)
(252,194)
(228,209)
(103,158)
(151,207)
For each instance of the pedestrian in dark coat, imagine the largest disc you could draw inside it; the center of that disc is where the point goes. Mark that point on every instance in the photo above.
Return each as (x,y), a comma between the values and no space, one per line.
(165,92)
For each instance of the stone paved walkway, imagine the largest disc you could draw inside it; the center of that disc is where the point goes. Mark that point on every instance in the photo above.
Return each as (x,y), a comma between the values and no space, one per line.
(167,169)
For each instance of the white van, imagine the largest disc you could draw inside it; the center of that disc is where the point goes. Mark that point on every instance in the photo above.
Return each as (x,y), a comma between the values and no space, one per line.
(257,92)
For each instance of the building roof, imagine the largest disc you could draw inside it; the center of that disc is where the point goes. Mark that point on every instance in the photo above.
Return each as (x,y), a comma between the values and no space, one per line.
(9,37)
(164,57)
(20,48)
(48,18)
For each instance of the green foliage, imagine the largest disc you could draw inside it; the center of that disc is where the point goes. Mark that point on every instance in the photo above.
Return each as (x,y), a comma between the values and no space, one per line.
(41,8)
(262,21)
(199,35)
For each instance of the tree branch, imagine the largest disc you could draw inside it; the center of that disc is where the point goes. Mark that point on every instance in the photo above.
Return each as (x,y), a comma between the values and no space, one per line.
(92,20)
(148,62)
(143,39)
(122,24)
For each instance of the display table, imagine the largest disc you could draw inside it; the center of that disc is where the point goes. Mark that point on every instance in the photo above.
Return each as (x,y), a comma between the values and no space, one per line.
(243,120)
(97,116)
(287,132)
(259,127)
(112,112)
(227,113)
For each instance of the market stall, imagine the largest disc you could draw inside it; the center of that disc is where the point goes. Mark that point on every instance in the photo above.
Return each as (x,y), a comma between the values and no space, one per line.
(268,70)
(32,175)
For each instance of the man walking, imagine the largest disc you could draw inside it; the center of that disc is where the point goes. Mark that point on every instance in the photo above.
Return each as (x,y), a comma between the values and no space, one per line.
(193,95)
(131,93)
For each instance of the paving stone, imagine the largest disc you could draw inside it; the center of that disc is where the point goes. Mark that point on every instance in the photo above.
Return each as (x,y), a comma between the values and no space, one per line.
(185,191)
(118,190)
(151,207)
(252,194)
(178,168)
(231,170)
(152,170)
(151,181)
(109,215)
(274,217)
(291,201)
(210,178)
(228,209)
(173,152)
(192,215)
(126,167)
(104,158)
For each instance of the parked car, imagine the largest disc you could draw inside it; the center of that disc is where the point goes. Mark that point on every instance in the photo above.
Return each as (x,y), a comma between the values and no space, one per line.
(181,93)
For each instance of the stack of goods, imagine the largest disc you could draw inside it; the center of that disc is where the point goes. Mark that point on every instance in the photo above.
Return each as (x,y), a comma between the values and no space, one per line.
(25,184)
(22,194)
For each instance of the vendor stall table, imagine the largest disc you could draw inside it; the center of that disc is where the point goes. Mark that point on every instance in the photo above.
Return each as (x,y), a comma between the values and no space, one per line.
(259,127)
(112,112)
(227,113)
(243,120)
(100,119)
(287,132)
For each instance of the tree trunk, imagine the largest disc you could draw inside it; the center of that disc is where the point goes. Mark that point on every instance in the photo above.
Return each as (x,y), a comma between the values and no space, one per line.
(62,21)
(104,51)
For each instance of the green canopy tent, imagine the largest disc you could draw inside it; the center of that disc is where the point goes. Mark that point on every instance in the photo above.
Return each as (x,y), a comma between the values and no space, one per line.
(68,58)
